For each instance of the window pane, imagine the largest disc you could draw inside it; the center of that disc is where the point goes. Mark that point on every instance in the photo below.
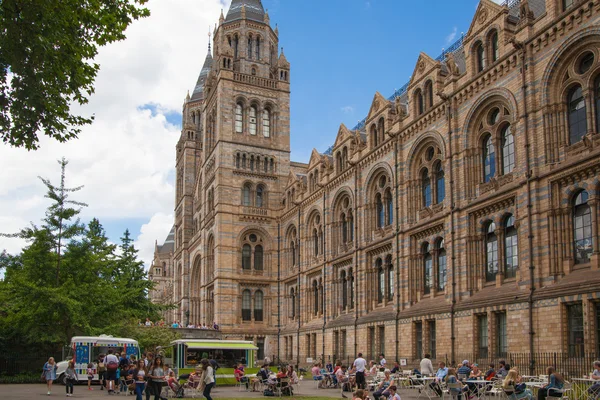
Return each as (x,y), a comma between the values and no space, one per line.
(427,273)
(258,258)
(432,335)
(508,151)
(259,196)
(419,339)
(492,257)
(389,208)
(381,284)
(239,119)
(482,322)
(246,195)
(258,306)
(246,306)
(426,182)
(246,254)
(501,332)
(380,211)
(440,185)
(252,120)
(575,328)
(577,115)
(489,159)
(582,229)
(441,269)
(266,123)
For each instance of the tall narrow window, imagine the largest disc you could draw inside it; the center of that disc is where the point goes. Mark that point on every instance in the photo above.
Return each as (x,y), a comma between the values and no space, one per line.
(246,256)
(293,246)
(344,228)
(511,249)
(491,244)
(250,47)
(420,103)
(567,4)
(258,306)
(259,196)
(429,94)
(251,163)
(351,286)
(246,195)
(389,207)
(293,296)
(246,310)
(419,340)
(380,211)
(441,260)
(597,95)
(494,46)
(266,123)
(258,48)
(427,269)
(508,150)
(489,159)
(575,329)
(426,188)
(252,120)
(582,228)
(258,258)
(315,298)
(236,41)
(374,138)
(315,242)
(244,161)
(501,337)
(390,278)
(432,339)
(350,226)
(577,115)
(344,284)
(480,54)
(237,160)
(482,330)
(239,118)
(380,280)
(440,183)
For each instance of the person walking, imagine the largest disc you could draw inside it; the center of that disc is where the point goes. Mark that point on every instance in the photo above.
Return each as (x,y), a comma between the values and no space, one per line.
(112,364)
(49,374)
(157,377)
(71,378)
(208,380)
(140,382)
(359,365)
(101,371)
(426,366)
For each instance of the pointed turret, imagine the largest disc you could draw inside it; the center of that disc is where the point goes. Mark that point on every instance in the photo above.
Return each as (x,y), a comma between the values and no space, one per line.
(253,10)
(198,93)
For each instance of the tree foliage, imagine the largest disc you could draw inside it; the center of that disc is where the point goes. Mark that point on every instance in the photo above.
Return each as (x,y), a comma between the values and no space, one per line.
(47,49)
(98,288)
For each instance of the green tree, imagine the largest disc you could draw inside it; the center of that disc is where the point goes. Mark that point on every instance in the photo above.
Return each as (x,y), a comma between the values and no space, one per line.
(47,49)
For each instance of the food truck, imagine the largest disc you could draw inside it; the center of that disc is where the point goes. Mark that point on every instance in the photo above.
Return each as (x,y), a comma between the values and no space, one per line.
(86,349)
(187,353)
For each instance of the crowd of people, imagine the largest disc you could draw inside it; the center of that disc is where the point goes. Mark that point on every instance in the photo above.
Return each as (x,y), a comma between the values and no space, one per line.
(177,324)
(267,379)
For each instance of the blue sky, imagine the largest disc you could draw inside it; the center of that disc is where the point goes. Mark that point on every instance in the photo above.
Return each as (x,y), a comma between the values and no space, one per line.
(341,52)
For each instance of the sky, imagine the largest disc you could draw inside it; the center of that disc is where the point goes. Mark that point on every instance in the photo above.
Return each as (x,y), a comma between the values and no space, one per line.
(341,52)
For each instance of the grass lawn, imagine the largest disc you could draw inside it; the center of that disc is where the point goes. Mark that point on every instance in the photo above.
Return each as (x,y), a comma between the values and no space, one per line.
(290,397)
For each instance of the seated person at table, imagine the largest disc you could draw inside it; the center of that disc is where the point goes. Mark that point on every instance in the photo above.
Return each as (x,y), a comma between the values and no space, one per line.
(373,368)
(316,372)
(490,373)
(396,367)
(239,373)
(595,388)
(464,370)
(281,373)
(340,376)
(261,376)
(392,393)
(292,375)
(554,386)
(172,382)
(381,389)
(193,380)
(329,367)
(360,394)
(513,385)
(475,374)
(502,369)
(440,375)
(451,378)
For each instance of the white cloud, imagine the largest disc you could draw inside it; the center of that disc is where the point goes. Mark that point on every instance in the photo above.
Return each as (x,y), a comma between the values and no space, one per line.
(347,109)
(156,229)
(126,156)
(450,38)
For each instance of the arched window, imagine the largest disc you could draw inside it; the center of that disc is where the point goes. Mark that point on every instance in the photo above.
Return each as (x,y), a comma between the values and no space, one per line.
(419,102)
(344,228)
(374,138)
(429,94)
(491,253)
(494,46)
(315,298)
(258,258)
(251,163)
(244,161)
(266,123)
(258,305)
(259,196)
(246,195)
(381,130)
(489,159)
(582,228)
(237,160)
(380,211)
(597,95)
(577,115)
(344,157)
(350,226)
(389,206)
(567,4)
(250,47)
(351,287)
(427,269)
(293,303)
(440,182)
(315,242)
(511,249)
(258,48)
(252,120)
(239,118)
(480,57)
(236,41)
(390,278)
(441,261)
(508,150)
(380,280)
(344,284)
(338,159)
(246,305)
(293,247)
(246,256)
(426,188)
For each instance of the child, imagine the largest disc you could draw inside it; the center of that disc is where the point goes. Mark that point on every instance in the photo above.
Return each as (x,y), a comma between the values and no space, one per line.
(71,376)
(90,374)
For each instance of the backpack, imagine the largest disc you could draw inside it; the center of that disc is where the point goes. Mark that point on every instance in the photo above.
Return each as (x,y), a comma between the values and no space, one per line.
(101,366)
(112,366)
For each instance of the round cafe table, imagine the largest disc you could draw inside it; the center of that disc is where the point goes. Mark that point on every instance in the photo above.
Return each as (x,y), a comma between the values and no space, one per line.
(581,386)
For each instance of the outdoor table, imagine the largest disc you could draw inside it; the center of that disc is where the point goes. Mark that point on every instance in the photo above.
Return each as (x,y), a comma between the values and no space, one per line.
(534,386)
(481,384)
(426,390)
(581,386)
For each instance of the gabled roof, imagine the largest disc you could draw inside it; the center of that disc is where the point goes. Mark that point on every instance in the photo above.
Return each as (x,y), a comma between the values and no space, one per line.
(254,10)
(424,63)
(343,134)
(198,93)
(379,102)
(169,245)
(486,10)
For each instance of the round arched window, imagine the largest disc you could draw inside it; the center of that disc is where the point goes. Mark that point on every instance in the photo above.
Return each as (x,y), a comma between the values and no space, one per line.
(586,62)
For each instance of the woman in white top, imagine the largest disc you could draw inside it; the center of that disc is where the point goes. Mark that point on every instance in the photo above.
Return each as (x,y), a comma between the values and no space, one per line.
(208,379)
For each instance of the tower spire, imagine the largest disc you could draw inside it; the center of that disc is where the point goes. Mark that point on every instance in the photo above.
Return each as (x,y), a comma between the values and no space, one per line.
(209,40)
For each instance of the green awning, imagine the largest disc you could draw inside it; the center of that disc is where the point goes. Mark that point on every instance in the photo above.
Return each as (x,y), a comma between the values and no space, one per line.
(221,345)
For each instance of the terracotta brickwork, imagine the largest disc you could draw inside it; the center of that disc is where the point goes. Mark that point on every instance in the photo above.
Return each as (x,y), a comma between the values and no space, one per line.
(463,202)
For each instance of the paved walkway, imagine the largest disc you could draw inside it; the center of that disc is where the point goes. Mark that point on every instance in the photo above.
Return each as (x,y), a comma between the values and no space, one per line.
(38,391)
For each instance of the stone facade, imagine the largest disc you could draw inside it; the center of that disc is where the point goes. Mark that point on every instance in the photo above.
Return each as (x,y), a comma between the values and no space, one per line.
(459,218)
